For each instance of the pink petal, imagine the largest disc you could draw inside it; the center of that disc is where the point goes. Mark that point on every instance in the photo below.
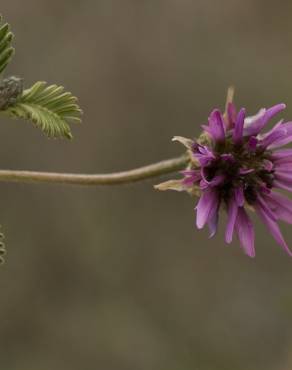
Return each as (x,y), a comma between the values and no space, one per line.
(245,232)
(216,126)
(273,228)
(280,205)
(231,218)
(239,196)
(238,129)
(207,205)
(213,223)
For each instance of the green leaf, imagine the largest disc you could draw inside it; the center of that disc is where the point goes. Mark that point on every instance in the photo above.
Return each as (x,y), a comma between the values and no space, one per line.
(6,50)
(50,108)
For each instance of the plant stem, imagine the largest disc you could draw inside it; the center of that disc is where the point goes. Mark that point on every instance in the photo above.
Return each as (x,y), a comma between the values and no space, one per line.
(138,174)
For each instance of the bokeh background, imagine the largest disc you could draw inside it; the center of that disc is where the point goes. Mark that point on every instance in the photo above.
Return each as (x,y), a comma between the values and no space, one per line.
(118,278)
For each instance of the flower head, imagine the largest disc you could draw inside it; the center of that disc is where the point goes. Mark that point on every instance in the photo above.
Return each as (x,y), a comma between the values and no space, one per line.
(236,166)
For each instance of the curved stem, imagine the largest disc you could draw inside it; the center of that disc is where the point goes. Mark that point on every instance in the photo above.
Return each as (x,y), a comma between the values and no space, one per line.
(139,174)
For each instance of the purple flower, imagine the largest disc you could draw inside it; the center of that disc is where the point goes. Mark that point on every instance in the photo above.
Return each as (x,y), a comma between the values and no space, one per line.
(236,166)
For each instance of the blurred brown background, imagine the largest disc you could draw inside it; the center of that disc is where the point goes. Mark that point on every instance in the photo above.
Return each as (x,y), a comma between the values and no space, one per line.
(119,278)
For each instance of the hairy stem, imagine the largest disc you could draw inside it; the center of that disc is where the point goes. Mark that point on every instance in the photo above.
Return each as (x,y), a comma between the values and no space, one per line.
(139,174)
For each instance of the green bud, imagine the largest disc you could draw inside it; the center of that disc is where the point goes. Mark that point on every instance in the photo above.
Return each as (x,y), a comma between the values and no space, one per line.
(11,89)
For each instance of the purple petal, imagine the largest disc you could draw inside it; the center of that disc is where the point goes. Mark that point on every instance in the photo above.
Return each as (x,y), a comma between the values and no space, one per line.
(264,190)
(276,136)
(238,129)
(273,111)
(217,180)
(213,223)
(189,181)
(262,203)
(252,143)
(207,129)
(216,126)
(273,228)
(228,157)
(283,153)
(282,185)
(283,166)
(206,207)
(250,120)
(231,218)
(245,171)
(283,176)
(191,176)
(285,139)
(276,127)
(253,125)
(239,196)
(231,115)
(203,149)
(204,155)
(280,205)
(245,232)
